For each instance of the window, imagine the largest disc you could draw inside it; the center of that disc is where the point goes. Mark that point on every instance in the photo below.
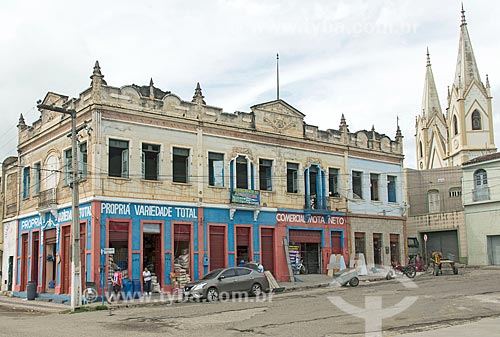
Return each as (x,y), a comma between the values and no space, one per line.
(150,161)
(333,179)
(265,167)
(180,165)
(229,273)
(357,187)
(455,192)
(476,120)
(242,172)
(118,158)
(455,125)
(216,169)
(481,190)
(391,188)
(480,178)
(420,150)
(292,170)
(359,243)
(67,166)
(433,200)
(26,182)
(374,186)
(37,178)
(82,161)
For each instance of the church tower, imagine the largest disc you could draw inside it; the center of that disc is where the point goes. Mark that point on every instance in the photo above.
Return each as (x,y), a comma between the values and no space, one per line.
(466,131)
(469,115)
(431,129)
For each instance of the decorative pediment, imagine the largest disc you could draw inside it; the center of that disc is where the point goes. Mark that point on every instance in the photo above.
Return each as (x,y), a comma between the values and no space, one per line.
(278,107)
(278,117)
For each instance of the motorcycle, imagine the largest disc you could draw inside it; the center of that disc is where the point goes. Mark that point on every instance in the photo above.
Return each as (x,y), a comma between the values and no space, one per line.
(299,268)
(397,270)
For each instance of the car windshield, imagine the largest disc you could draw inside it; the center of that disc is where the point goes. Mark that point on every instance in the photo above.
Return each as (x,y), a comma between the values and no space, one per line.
(211,275)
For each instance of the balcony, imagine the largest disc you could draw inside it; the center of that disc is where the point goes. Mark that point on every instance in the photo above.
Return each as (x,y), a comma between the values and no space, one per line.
(47,198)
(315,202)
(481,194)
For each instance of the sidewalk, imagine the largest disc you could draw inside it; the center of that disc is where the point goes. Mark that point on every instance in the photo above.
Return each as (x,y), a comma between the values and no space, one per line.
(43,305)
(38,305)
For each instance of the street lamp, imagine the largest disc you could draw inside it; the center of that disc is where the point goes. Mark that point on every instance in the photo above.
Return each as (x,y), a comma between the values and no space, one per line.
(76,287)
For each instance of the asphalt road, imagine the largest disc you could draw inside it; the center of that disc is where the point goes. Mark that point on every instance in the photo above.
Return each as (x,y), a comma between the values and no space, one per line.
(427,306)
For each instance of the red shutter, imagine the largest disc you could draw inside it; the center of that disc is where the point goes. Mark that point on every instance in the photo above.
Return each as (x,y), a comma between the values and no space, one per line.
(308,236)
(182,232)
(118,231)
(217,247)
(267,246)
(336,243)
(243,236)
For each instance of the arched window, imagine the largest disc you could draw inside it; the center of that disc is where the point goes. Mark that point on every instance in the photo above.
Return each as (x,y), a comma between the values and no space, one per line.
(480,178)
(476,120)
(481,190)
(455,125)
(420,151)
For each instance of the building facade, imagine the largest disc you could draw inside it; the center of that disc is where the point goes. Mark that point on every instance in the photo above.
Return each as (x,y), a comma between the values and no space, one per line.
(436,211)
(169,183)
(482,209)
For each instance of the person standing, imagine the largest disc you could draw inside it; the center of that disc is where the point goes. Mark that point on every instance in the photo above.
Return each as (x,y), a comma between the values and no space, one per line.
(146,275)
(117,285)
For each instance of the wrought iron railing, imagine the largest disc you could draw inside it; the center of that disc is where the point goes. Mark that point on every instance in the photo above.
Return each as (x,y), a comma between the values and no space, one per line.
(47,197)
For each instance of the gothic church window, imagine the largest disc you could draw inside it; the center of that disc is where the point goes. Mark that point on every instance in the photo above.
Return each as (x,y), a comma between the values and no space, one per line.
(420,151)
(476,120)
(455,125)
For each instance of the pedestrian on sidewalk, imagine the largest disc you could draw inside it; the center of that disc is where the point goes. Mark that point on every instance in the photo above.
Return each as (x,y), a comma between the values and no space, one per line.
(146,275)
(117,285)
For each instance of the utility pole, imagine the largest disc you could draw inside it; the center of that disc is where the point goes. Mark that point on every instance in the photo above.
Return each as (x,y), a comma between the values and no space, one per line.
(76,286)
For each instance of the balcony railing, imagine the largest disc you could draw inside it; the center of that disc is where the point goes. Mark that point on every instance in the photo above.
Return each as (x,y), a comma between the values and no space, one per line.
(314,202)
(47,198)
(481,194)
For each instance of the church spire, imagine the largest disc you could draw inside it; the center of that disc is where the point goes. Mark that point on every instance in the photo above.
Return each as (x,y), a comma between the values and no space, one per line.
(466,70)
(430,100)
(198,97)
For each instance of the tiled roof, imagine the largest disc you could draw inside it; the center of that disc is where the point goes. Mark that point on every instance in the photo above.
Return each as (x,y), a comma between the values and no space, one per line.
(481,159)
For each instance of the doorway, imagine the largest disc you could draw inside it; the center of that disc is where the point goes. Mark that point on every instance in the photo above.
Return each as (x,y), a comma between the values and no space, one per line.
(377,249)
(217,247)
(49,260)
(151,254)
(336,242)
(10,273)
(243,244)
(66,264)
(35,258)
(24,262)
(309,242)
(267,244)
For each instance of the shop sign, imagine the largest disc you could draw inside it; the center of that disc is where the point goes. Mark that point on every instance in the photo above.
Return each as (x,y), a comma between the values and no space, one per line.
(294,253)
(64,215)
(155,211)
(296,218)
(244,196)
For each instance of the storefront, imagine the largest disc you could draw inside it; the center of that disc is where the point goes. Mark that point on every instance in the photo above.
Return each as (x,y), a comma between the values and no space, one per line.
(43,251)
(315,237)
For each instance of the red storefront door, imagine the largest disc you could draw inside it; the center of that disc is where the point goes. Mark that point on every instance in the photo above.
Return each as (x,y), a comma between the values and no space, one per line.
(217,247)
(267,248)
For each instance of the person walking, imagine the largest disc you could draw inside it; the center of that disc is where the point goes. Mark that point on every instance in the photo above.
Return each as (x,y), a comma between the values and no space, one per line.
(146,275)
(117,285)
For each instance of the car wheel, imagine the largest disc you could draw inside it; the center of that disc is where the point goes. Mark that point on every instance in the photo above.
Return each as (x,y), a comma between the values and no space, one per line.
(256,289)
(354,282)
(212,294)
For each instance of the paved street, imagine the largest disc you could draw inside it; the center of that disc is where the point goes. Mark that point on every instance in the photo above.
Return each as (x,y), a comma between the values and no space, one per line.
(459,305)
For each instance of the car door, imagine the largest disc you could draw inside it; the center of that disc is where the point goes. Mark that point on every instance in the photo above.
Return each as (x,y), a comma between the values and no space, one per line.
(245,279)
(227,281)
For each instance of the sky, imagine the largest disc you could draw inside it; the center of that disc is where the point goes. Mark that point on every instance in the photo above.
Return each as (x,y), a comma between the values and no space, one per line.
(363,59)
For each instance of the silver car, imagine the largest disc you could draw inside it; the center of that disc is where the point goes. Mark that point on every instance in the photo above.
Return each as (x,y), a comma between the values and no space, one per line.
(227,281)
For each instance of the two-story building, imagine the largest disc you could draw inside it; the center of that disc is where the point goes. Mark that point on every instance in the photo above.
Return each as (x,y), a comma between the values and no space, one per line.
(161,177)
(482,209)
